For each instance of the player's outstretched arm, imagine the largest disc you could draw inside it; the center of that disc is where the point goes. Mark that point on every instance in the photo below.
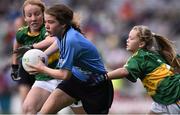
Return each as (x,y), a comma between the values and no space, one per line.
(118,73)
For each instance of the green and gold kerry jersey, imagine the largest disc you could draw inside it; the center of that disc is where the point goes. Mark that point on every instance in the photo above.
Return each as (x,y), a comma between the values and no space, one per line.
(24,37)
(156,75)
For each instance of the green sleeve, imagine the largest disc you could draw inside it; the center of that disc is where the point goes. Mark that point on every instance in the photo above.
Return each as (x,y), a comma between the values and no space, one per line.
(20,35)
(43,32)
(134,68)
(178,55)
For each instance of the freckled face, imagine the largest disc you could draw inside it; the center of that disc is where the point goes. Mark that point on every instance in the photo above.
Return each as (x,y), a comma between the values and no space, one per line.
(34,17)
(133,41)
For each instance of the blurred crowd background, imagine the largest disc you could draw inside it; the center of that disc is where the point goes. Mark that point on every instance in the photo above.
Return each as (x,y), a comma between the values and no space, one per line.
(107,24)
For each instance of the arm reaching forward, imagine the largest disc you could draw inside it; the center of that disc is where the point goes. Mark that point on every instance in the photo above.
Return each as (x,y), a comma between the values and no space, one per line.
(118,73)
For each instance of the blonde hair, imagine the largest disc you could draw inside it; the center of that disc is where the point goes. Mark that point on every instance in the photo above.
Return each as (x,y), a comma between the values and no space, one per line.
(33,2)
(164,46)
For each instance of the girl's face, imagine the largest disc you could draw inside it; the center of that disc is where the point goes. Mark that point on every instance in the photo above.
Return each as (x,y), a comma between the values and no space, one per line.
(133,42)
(34,17)
(53,27)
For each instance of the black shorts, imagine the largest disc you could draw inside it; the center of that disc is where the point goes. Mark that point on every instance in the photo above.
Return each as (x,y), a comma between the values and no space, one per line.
(26,78)
(95,99)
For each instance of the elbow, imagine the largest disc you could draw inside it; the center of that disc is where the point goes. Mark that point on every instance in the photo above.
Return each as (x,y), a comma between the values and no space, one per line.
(66,77)
(64,74)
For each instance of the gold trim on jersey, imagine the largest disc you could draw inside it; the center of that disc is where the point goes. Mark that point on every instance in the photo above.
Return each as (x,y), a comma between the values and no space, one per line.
(53,57)
(33,33)
(178,102)
(152,79)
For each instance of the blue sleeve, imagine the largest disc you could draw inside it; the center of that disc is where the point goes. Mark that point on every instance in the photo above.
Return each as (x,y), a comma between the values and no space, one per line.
(68,56)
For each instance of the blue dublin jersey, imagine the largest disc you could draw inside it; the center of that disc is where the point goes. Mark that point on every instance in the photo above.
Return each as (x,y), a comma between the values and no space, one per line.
(79,56)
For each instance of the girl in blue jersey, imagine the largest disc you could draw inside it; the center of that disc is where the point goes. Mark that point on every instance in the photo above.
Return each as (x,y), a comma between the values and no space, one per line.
(80,67)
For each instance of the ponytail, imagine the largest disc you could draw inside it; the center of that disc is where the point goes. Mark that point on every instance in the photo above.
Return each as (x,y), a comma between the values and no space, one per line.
(167,50)
(75,23)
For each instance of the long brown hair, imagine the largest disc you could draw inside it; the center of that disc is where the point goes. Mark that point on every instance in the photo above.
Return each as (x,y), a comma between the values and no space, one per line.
(64,15)
(164,46)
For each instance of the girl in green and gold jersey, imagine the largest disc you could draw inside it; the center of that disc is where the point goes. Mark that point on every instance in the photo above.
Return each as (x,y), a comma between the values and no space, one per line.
(156,64)
(34,32)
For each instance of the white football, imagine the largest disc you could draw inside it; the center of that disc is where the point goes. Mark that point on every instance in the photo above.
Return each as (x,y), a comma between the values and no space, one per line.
(32,57)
